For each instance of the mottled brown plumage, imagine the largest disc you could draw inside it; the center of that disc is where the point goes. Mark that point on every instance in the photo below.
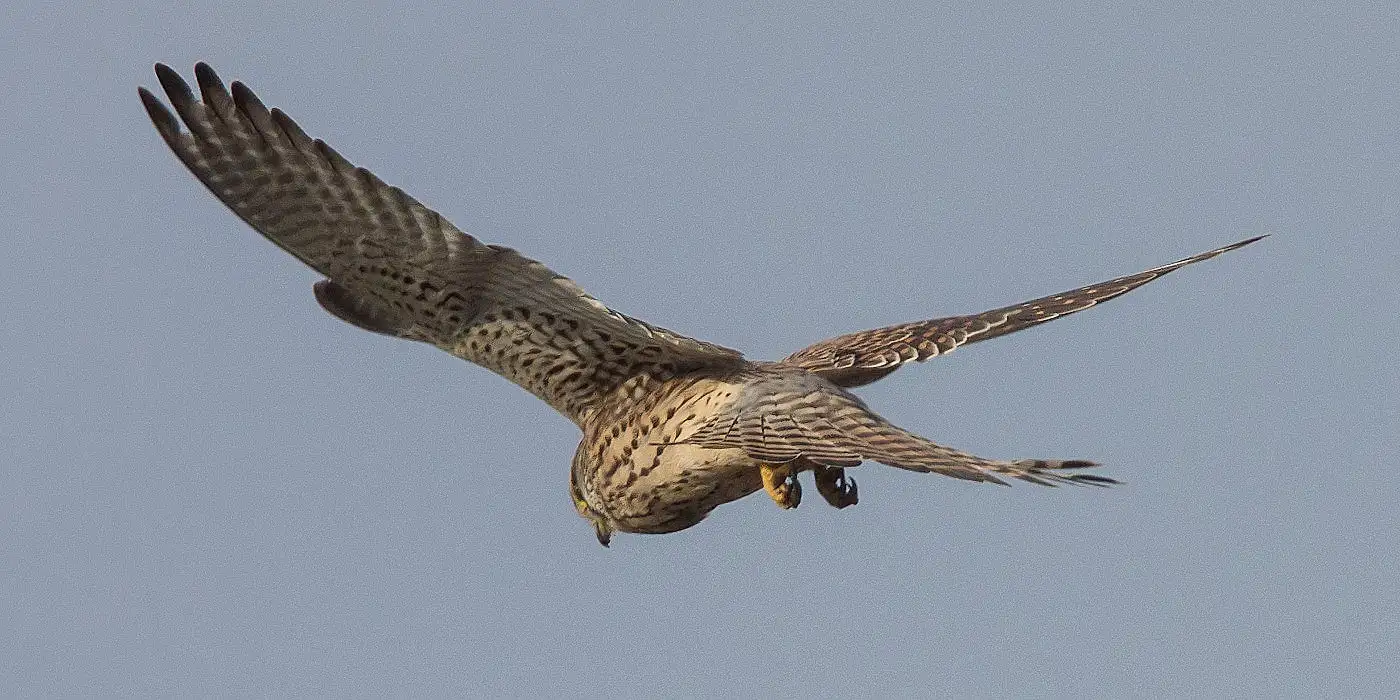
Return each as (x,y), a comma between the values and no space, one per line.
(862,357)
(672,427)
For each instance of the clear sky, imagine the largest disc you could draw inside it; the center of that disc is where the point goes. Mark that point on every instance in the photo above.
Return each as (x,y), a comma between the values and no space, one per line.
(210,486)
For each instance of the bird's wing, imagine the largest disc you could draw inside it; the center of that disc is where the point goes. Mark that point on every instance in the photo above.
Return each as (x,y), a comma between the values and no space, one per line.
(788,416)
(862,357)
(396,267)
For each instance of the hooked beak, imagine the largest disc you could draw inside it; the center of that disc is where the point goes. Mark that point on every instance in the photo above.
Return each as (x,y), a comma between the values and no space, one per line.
(603,532)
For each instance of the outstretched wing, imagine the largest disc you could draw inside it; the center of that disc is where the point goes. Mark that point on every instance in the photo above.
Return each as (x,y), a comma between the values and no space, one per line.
(859,358)
(786,416)
(396,267)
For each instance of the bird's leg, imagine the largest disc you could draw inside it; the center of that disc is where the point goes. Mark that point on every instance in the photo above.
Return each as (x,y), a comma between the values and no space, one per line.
(838,489)
(780,481)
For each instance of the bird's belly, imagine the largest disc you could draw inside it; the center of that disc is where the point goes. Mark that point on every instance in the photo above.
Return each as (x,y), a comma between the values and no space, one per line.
(665,488)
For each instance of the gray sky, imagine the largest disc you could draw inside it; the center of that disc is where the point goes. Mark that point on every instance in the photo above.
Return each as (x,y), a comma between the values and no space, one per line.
(210,486)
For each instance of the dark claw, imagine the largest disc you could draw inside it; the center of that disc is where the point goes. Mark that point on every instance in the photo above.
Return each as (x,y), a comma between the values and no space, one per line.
(836,487)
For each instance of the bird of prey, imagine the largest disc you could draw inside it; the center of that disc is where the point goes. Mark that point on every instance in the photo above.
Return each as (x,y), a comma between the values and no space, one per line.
(672,426)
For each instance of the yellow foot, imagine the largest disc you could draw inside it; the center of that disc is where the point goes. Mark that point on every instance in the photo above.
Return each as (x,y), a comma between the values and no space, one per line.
(838,489)
(780,482)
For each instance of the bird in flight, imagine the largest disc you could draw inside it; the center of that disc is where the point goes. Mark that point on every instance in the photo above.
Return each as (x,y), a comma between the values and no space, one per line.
(673,427)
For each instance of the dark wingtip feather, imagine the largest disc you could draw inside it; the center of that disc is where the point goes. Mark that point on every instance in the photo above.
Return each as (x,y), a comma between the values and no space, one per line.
(211,88)
(175,87)
(205,75)
(245,99)
(292,130)
(1218,251)
(256,112)
(1237,246)
(182,99)
(1077,464)
(1093,480)
(163,118)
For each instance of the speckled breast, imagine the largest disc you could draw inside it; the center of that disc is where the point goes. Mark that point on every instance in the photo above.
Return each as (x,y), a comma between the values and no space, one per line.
(633,473)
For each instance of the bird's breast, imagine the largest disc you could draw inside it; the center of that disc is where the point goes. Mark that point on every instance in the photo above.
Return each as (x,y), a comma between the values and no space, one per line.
(638,473)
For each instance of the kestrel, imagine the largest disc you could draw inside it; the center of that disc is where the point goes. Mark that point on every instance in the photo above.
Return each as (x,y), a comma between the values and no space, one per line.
(672,427)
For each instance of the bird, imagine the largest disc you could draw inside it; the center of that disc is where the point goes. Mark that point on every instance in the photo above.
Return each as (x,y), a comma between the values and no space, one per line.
(672,427)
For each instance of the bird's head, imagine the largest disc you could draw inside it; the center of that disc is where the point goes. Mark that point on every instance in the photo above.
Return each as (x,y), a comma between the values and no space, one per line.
(601,528)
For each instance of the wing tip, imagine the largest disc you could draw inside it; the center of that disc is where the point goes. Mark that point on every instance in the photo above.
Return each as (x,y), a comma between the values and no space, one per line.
(174,86)
(1224,249)
(165,121)
(247,101)
(291,129)
(1245,242)
(1050,472)
(204,74)
(1094,480)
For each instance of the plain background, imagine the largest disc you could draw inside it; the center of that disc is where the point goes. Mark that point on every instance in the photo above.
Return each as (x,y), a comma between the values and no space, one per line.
(211,487)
